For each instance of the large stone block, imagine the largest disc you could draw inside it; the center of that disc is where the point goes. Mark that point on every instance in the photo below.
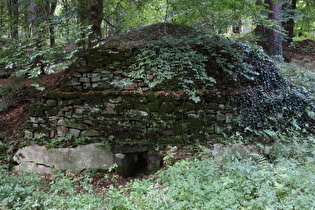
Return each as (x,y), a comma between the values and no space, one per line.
(42,160)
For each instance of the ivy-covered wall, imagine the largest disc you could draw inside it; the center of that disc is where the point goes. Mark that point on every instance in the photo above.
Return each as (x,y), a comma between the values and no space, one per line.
(129,118)
(101,69)
(93,103)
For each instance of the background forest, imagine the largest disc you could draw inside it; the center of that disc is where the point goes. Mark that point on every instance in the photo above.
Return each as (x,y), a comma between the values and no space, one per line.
(38,34)
(41,38)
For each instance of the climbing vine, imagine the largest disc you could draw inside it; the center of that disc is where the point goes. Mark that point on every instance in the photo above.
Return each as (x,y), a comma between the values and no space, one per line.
(181,67)
(192,63)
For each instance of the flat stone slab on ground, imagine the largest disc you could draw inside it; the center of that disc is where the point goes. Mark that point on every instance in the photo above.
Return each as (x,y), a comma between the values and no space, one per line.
(42,160)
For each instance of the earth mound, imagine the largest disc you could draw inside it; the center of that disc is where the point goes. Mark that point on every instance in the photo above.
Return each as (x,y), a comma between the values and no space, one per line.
(269,104)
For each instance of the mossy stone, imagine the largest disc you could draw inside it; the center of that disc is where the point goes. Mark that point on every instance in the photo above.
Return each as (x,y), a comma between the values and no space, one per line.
(61,96)
(53,111)
(151,97)
(167,107)
(153,106)
(90,133)
(213,106)
(37,110)
(189,106)
(51,103)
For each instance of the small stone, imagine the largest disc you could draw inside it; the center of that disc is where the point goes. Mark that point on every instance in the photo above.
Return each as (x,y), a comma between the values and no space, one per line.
(90,133)
(87,86)
(220,117)
(61,130)
(120,155)
(52,134)
(92,75)
(28,134)
(229,117)
(52,103)
(144,89)
(77,74)
(74,82)
(118,84)
(68,114)
(118,72)
(115,100)
(75,132)
(95,85)
(221,106)
(138,113)
(88,122)
(142,84)
(79,111)
(132,86)
(85,80)
(96,79)
(218,130)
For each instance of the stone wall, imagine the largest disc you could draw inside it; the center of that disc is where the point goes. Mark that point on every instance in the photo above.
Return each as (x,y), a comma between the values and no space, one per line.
(129,118)
(102,69)
(92,103)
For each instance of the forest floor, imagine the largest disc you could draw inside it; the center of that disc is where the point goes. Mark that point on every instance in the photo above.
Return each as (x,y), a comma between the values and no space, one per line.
(14,106)
(302,54)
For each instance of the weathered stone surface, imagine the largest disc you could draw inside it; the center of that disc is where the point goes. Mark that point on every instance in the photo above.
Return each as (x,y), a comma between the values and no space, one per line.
(70,123)
(39,159)
(36,120)
(220,117)
(85,80)
(241,149)
(61,130)
(90,133)
(28,134)
(75,132)
(52,103)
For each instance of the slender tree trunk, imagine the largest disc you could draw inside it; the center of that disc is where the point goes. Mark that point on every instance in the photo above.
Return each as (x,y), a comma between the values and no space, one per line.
(52,8)
(90,14)
(13,11)
(95,21)
(37,33)
(260,31)
(33,17)
(289,25)
(274,37)
(2,22)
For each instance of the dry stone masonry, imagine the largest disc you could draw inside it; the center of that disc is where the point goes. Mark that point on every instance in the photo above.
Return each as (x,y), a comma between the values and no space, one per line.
(92,103)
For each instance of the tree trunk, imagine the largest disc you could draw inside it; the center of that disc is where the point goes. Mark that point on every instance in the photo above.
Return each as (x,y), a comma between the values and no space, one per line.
(13,11)
(91,14)
(52,8)
(33,17)
(274,37)
(260,31)
(289,25)
(95,21)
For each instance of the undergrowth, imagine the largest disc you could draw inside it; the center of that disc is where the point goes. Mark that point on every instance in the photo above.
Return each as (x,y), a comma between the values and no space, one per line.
(267,104)
(289,110)
(282,179)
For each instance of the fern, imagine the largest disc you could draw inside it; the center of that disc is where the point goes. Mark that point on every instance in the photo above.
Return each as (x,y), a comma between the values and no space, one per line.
(261,160)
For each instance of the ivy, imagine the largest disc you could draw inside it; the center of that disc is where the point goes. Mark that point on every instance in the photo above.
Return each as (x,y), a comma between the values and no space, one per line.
(172,63)
(192,63)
